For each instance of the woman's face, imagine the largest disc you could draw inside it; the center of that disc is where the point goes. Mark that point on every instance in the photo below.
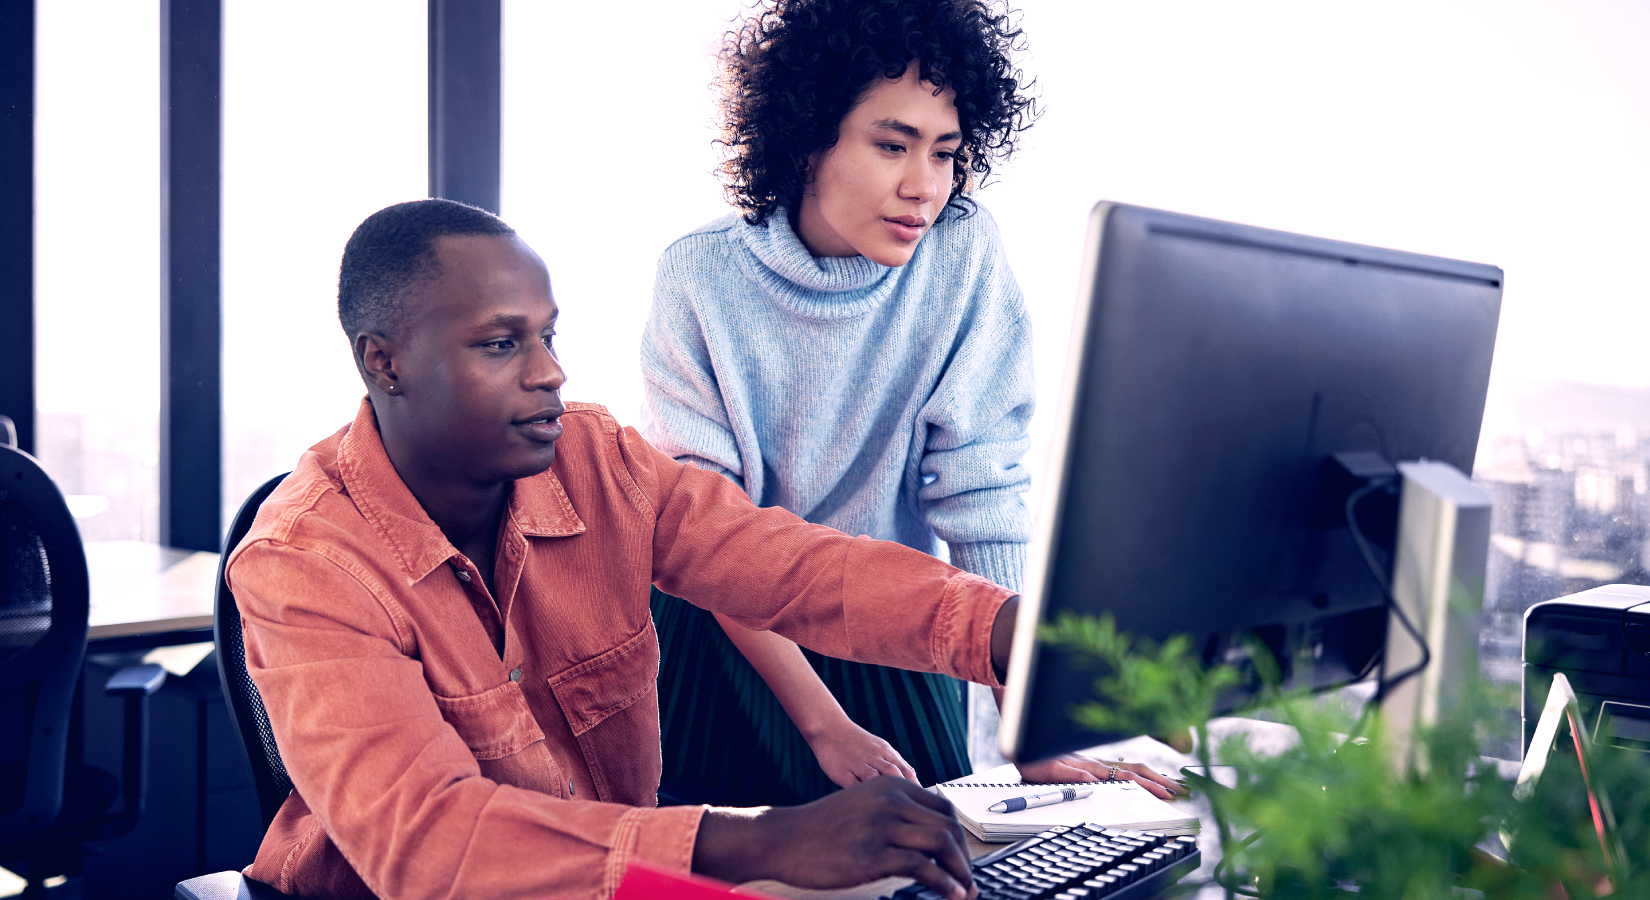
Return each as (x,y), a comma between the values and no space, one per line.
(877,192)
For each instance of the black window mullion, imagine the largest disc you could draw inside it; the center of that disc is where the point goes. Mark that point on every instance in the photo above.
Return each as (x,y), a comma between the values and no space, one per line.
(465,57)
(191,334)
(17,79)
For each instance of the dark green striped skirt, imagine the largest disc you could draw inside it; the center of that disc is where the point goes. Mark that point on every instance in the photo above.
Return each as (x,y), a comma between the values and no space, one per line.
(727,740)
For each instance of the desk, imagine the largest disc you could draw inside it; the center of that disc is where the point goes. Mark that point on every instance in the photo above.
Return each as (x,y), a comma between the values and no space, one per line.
(148,595)
(1263,737)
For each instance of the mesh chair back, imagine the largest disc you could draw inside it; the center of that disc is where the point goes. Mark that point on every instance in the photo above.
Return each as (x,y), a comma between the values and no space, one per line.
(251,721)
(43,610)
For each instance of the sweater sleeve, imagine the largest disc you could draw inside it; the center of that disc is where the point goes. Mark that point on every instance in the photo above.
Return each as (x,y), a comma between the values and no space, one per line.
(974,429)
(683,413)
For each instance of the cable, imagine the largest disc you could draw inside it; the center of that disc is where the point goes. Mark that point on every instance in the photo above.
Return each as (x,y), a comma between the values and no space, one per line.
(1386,684)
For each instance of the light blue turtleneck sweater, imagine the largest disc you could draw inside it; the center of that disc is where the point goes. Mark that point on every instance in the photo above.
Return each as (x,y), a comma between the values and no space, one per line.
(884,401)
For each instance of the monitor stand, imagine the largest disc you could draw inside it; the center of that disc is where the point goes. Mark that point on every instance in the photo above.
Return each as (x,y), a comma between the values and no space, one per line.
(1438,584)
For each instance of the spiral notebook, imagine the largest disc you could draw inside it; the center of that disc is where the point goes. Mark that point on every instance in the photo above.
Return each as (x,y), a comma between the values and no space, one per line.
(1114,804)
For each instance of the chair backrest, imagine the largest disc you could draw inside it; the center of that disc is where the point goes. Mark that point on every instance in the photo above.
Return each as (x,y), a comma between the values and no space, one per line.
(251,722)
(43,609)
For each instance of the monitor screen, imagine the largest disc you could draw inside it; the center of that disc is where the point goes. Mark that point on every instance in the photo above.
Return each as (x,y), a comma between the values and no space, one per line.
(1215,370)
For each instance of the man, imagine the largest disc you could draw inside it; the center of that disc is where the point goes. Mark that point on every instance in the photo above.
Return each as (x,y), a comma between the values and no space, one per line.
(446,612)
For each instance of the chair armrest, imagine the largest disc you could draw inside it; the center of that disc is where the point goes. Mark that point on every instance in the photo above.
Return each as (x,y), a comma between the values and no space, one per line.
(133,680)
(135,685)
(226,886)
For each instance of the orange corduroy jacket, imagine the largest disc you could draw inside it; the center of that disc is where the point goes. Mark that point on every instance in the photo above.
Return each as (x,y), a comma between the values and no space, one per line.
(446,743)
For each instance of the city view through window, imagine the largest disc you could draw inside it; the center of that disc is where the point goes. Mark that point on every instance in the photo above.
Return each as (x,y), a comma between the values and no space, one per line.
(1568,473)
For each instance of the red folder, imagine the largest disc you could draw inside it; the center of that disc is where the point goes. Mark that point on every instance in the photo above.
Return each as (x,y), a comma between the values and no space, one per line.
(647,882)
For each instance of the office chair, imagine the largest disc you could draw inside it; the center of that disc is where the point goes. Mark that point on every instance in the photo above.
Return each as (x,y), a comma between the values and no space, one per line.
(52,804)
(251,722)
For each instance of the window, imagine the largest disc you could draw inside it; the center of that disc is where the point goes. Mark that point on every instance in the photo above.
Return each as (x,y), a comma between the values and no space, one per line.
(324,123)
(97,261)
(607,159)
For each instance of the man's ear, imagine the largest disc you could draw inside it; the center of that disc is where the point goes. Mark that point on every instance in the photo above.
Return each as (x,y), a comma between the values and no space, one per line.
(375,356)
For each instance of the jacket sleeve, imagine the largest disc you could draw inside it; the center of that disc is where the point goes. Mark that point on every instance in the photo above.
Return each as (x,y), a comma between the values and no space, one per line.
(395,786)
(683,413)
(974,428)
(848,597)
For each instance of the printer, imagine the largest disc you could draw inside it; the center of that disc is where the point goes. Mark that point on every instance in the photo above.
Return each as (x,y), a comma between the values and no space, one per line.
(1600,640)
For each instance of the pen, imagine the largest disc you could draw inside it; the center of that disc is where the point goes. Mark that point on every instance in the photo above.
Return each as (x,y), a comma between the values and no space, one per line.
(1032,801)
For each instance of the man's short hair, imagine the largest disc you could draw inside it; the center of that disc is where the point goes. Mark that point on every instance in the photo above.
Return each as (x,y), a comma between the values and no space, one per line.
(394,249)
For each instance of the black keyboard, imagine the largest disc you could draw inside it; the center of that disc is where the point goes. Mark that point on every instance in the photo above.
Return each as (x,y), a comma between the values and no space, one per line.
(1082,863)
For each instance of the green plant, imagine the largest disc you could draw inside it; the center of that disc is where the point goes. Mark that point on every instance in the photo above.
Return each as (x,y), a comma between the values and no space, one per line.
(1333,815)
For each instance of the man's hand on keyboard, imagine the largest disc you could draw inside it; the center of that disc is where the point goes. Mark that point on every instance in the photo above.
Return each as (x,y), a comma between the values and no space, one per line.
(1065,769)
(882,827)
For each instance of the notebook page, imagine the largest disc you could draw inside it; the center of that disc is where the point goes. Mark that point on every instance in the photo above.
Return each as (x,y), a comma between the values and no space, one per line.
(1113,804)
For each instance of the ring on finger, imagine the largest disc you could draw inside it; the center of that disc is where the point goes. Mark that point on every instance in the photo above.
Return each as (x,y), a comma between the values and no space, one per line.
(1112,774)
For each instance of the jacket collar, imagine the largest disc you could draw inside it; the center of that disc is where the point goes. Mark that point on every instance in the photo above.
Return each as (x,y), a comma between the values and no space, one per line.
(538,505)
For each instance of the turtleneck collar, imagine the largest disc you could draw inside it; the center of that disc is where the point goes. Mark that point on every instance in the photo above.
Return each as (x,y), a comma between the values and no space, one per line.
(789,271)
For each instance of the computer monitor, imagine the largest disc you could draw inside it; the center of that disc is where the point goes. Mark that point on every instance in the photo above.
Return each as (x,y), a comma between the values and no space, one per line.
(1215,369)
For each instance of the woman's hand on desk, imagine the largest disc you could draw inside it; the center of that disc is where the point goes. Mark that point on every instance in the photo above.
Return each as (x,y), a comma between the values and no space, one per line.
(882,827)
(1065,769)
(849,754)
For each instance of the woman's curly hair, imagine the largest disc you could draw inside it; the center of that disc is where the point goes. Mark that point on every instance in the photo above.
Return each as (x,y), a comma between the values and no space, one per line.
(795,68)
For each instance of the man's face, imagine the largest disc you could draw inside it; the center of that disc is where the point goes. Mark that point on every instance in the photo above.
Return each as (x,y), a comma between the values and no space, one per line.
(878,191)
(479,381)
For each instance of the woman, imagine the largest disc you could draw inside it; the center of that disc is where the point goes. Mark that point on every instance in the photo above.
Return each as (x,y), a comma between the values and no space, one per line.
(853,348)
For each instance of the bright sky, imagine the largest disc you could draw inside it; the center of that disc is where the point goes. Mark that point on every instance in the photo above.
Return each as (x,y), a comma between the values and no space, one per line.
(1511,132)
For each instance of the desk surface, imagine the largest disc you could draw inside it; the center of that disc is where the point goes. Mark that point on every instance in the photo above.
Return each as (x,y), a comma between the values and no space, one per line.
(1264,737)
(139,588)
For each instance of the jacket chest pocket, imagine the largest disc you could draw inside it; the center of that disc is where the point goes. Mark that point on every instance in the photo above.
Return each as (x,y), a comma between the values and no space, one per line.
(598,688)
(494,723)
(617,690)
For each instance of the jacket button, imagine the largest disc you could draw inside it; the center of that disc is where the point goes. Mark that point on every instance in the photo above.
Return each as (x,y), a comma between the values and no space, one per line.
(515,674)
(463,576)
(570,790)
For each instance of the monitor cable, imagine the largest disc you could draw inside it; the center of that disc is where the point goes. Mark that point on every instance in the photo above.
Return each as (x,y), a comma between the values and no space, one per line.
(1385,684)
